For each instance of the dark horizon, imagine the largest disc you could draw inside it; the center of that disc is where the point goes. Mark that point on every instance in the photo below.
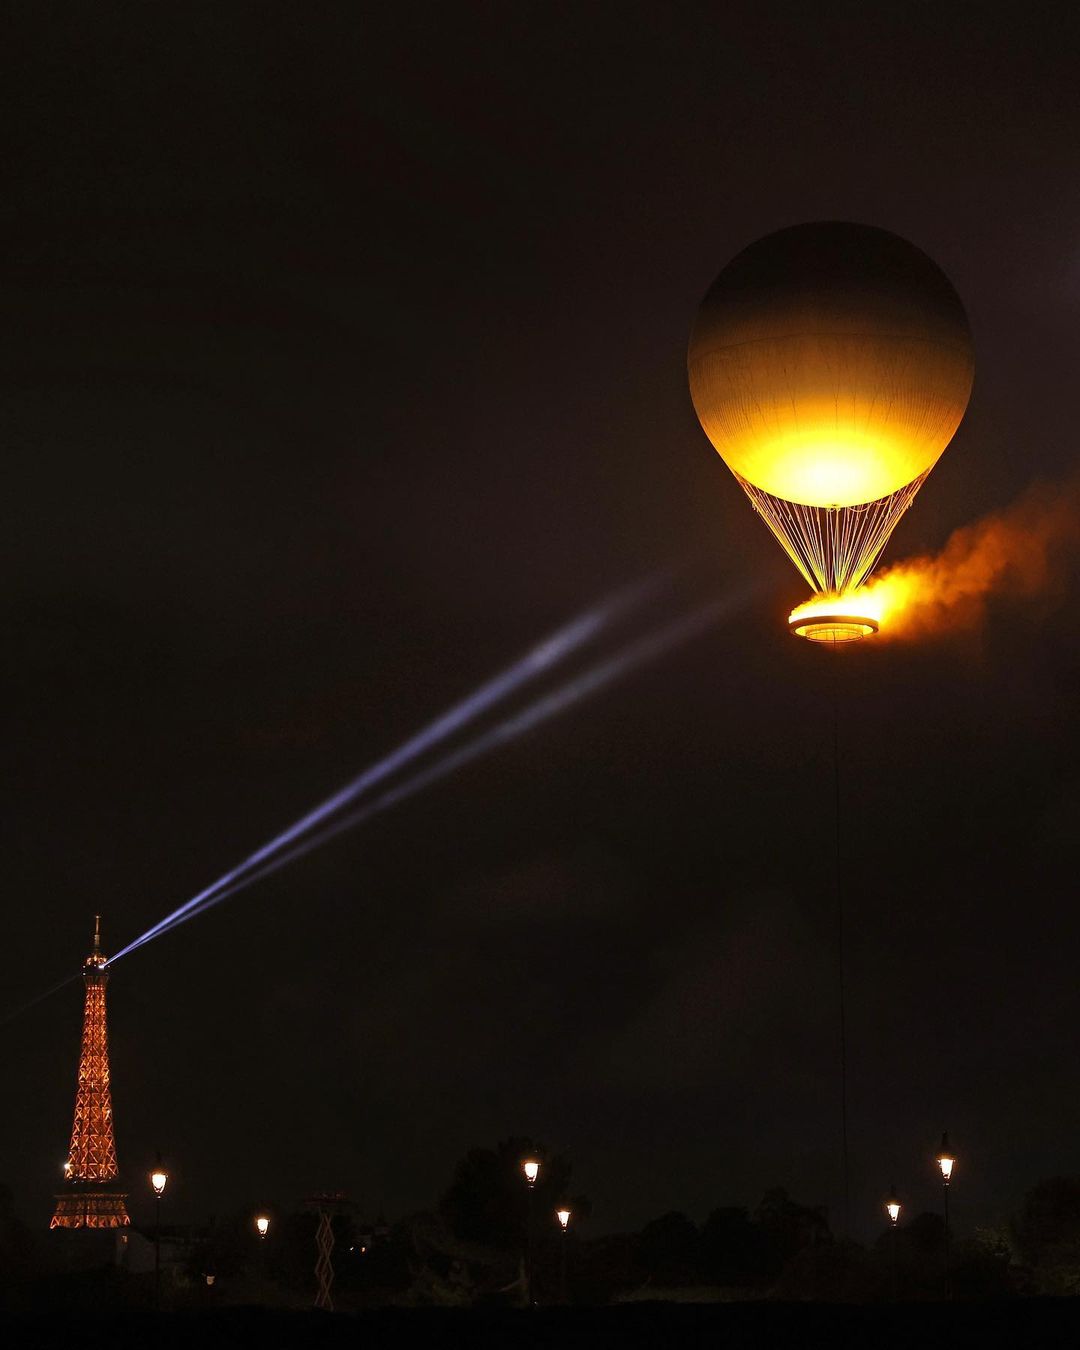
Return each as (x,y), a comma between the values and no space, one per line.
(344,359)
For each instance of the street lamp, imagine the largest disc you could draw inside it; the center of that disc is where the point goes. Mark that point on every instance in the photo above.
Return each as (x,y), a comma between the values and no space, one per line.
(892,1209)
(563,1216)
(158,1180)
(946,1162)
(262,1227)
(531,1167)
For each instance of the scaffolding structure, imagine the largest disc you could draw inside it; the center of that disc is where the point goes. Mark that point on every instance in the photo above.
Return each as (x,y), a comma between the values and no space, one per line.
(327,1207)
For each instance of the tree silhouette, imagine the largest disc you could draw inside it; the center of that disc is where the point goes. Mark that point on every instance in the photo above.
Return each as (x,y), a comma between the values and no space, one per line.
(734,1250)
(925,1234)
(666,1250)
(788,1227)
(1047,1233)
(488,1200)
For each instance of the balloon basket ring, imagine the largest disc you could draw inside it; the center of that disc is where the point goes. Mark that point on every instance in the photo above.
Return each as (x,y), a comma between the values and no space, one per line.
(843,626)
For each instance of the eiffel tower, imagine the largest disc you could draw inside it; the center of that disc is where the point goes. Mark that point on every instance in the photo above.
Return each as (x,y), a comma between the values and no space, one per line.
(91,1198)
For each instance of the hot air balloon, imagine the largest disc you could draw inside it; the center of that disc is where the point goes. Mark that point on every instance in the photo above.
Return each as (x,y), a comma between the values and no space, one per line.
(830,364)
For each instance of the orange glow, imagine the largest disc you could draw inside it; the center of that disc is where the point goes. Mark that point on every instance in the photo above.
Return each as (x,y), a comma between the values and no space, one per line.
(830,364)
(834,618)
(93,1144)
(903,602)
(563,1216)
(91,1168)
(531,1168)
(1021,552)
(262,1225)
(815,465)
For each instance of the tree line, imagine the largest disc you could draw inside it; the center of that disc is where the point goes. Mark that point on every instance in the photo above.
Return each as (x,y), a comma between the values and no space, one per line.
(470,1249)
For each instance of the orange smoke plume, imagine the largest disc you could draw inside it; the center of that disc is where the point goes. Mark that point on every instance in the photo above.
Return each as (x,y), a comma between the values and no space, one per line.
(1023,551)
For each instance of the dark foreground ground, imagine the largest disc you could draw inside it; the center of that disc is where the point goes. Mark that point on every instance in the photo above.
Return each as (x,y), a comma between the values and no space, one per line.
(1018,1324)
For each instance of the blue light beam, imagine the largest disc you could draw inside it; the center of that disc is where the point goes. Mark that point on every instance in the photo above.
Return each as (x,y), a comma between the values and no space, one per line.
(589,682)
(544,657)
(40,998)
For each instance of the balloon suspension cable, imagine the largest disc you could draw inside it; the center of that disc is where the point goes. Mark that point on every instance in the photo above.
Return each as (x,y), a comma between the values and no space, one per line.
(840,954)
(834,547)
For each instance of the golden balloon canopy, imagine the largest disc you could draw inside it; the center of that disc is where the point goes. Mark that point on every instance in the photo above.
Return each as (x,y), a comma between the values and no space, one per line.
(830,365)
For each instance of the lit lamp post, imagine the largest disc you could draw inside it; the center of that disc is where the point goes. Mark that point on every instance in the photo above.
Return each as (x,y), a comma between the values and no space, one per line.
(158,1180)
(531,1168)
(892,1209)
(946,1162)
(563,1216)
(262,1227)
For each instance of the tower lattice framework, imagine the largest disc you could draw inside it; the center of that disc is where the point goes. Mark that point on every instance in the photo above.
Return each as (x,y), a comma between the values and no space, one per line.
(91,1197)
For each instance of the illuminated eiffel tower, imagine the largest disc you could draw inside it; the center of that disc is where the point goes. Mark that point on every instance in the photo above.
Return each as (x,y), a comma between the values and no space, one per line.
(91,1198)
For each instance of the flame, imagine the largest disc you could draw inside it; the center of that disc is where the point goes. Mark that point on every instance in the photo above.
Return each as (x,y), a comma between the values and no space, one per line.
(860,603)
(1019,551)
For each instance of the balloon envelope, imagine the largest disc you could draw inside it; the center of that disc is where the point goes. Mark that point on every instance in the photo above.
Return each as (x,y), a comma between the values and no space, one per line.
(830,364)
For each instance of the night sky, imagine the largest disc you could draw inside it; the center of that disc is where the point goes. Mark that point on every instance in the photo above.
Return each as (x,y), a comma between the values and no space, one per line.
(343,358)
